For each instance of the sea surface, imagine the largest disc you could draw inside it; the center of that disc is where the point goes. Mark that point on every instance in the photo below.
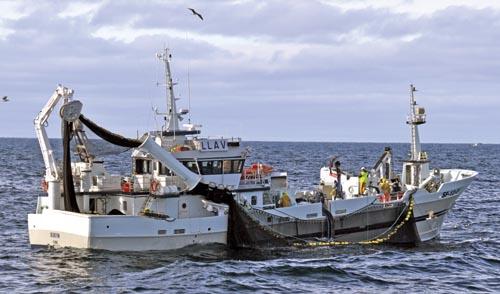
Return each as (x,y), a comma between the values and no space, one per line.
(466,257)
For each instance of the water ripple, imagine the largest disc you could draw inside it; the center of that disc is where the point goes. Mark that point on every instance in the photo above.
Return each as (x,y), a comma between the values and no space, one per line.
(464,259)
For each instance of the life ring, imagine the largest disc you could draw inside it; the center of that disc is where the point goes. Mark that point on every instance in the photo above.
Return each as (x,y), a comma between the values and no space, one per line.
(126,187)
(45,185)
(351,190)
(153,186)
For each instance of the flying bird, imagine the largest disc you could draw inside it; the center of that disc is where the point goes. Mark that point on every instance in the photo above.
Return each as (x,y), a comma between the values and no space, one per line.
(196,13)
(5,99)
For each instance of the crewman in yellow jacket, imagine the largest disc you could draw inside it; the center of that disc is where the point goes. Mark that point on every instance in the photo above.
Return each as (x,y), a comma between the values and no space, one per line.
(385,186)
(363,181)
(284,200)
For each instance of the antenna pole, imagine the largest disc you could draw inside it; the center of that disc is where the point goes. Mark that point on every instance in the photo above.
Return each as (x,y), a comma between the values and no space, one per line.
(173,121)
(414,120)
(189,97)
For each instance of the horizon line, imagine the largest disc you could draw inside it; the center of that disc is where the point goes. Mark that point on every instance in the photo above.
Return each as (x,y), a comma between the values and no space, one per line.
(312,141)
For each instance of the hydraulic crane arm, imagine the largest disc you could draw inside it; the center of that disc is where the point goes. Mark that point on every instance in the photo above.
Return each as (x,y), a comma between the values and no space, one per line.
(383,167)
(41,133)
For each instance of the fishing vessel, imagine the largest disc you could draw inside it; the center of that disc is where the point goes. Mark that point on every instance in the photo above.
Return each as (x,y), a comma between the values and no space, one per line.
(406,208)
(161,205)
(434,191)
(187,189)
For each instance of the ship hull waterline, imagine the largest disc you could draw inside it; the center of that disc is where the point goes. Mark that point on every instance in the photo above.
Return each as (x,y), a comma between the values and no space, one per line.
(56,228)
(430,210)
(374,221)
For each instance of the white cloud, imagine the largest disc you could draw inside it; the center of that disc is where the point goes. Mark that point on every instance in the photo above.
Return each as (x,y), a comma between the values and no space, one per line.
(14,10)
(256,47)
(5,32)
(11,11)
(81,9)
(414,8)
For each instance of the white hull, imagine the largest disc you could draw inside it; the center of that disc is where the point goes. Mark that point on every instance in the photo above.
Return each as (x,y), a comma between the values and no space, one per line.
(58,228)
(431,208)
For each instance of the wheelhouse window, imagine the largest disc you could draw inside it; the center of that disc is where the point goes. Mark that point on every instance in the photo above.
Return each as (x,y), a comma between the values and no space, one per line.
(212,167)
(142,166)
(227,166)
(191,165)
(163,170)
(232,166)
(238,166)
(216,167)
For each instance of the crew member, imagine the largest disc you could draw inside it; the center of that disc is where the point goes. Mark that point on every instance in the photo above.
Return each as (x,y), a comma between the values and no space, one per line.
(338,185)
(396,185)
(284,200)
(363,180)
(385,186)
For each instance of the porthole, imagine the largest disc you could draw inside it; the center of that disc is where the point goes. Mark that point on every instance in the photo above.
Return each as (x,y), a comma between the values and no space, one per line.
(184,205)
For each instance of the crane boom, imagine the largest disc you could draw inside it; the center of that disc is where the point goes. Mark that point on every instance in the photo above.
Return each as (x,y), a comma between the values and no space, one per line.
(40,121)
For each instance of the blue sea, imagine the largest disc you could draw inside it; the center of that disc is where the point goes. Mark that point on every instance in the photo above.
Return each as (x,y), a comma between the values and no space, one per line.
(466,257)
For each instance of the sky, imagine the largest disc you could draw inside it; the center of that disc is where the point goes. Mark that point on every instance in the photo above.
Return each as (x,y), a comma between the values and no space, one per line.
(326,70)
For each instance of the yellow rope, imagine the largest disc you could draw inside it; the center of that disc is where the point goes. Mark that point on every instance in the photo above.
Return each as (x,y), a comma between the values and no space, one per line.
(373,241)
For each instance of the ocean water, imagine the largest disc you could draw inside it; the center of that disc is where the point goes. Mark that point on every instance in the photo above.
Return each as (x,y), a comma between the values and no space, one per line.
(466,257)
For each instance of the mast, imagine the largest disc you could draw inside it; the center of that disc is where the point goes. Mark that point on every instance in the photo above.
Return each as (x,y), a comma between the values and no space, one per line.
(414,120)
(416,168)
(172,123)
(172,116)
(189,96)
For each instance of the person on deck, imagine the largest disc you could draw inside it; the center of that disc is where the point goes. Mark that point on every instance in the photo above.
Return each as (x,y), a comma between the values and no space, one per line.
(338,185)
(396,185)
(363,181)
(385,186)
(284,200)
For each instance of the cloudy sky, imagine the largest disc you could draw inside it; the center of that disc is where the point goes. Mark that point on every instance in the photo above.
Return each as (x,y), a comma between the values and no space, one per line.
(326,70)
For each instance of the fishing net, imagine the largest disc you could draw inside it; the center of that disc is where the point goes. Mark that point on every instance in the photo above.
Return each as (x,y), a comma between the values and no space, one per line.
(243,230)
(110,137)
(70,203)
(92,143)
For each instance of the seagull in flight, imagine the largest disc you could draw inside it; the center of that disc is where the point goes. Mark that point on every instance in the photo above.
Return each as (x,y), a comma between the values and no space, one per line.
(5,99)
(196,13)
